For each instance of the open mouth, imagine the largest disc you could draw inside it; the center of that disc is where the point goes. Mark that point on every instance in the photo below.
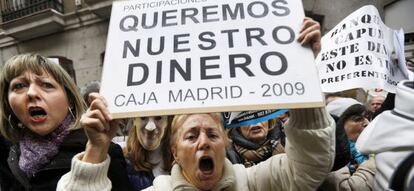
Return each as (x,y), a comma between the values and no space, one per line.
(206,165)
(37,113)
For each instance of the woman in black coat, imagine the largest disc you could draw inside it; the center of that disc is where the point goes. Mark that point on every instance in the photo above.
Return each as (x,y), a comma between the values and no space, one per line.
(40,112)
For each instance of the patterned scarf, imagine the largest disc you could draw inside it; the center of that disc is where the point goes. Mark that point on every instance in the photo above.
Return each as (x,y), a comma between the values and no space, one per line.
(265,151)
(37,151)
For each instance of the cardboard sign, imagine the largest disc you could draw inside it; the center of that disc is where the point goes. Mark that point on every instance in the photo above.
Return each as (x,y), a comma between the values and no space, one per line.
(180,56)
(361,52)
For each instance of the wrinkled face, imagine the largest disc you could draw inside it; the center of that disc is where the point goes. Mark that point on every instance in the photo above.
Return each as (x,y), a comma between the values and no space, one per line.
(39,102)
(354,126)
(200,151)
(376,103)
(150,131)
(256,133)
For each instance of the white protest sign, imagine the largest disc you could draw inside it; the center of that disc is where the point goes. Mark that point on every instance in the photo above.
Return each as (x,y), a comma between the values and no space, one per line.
(179,56)
(362,52)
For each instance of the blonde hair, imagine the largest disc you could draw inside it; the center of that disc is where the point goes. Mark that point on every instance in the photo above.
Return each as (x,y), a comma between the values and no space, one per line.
(139,156)
(19,64)
(179,120)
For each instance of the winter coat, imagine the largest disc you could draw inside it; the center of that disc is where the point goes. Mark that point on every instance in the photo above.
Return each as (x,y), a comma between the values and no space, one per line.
(342,180)
(310,151)
(5,174)
(139,179)
(390,135)
(274,134)
(48,177)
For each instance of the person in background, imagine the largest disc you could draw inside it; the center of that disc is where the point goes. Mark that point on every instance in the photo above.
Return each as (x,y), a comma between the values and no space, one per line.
(40,115)
(375,102)
(92,86)
(148,150)
(254,143)
(390,135)
(359,173)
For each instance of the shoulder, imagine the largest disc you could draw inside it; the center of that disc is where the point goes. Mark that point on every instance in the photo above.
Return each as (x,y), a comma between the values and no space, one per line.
(115,151)
(162,182)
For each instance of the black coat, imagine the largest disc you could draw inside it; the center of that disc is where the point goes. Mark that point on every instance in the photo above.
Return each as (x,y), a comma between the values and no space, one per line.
(5,173)
(48,177)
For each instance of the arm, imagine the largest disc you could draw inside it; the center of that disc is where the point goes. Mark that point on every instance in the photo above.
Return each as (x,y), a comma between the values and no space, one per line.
(100,129)
(362,179)
(310,152)
(90,168)
(85,176)
(310,146)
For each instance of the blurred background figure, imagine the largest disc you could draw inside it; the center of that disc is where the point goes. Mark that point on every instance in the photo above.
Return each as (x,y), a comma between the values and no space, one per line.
(256,139)
(92,86)
(374,102)
(359,173)
(148,150)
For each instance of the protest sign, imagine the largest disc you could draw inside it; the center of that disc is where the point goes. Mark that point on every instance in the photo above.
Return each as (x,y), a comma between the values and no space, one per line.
(362,52)
(190,56)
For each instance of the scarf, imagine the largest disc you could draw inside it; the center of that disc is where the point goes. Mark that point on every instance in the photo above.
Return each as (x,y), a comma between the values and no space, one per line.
(266,150)
(357,158)
(37,151)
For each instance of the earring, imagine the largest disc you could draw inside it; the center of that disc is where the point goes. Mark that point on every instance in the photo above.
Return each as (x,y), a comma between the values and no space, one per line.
(20,125)
(70,111)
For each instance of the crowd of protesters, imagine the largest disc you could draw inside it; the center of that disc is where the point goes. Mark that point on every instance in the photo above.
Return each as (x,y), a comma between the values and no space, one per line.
(55,137)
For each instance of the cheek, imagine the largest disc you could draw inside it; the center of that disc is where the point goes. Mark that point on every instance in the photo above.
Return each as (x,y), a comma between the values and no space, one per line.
(15,104)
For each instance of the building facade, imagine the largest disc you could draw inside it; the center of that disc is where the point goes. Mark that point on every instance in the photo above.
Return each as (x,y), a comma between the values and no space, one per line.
(75,31)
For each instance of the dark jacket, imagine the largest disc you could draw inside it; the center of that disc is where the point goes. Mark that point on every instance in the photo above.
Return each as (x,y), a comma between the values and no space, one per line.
(139,179)
(48,177)
(5,173)
(342,149)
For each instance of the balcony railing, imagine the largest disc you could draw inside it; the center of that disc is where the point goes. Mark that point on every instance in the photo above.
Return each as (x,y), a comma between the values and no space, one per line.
(16,9)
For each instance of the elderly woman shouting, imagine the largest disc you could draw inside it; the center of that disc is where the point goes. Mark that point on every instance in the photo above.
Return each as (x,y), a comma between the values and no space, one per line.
(198,144)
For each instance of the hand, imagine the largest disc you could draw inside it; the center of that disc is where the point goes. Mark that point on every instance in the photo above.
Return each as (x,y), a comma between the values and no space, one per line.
(99,127)
(311,34)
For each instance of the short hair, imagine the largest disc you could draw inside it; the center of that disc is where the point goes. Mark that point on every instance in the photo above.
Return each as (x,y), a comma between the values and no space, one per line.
(37,64)
(179,120)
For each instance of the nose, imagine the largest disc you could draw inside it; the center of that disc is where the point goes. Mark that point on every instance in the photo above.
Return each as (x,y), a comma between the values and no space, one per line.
(204,142)
(366,122)
(32,92)
(150,125)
